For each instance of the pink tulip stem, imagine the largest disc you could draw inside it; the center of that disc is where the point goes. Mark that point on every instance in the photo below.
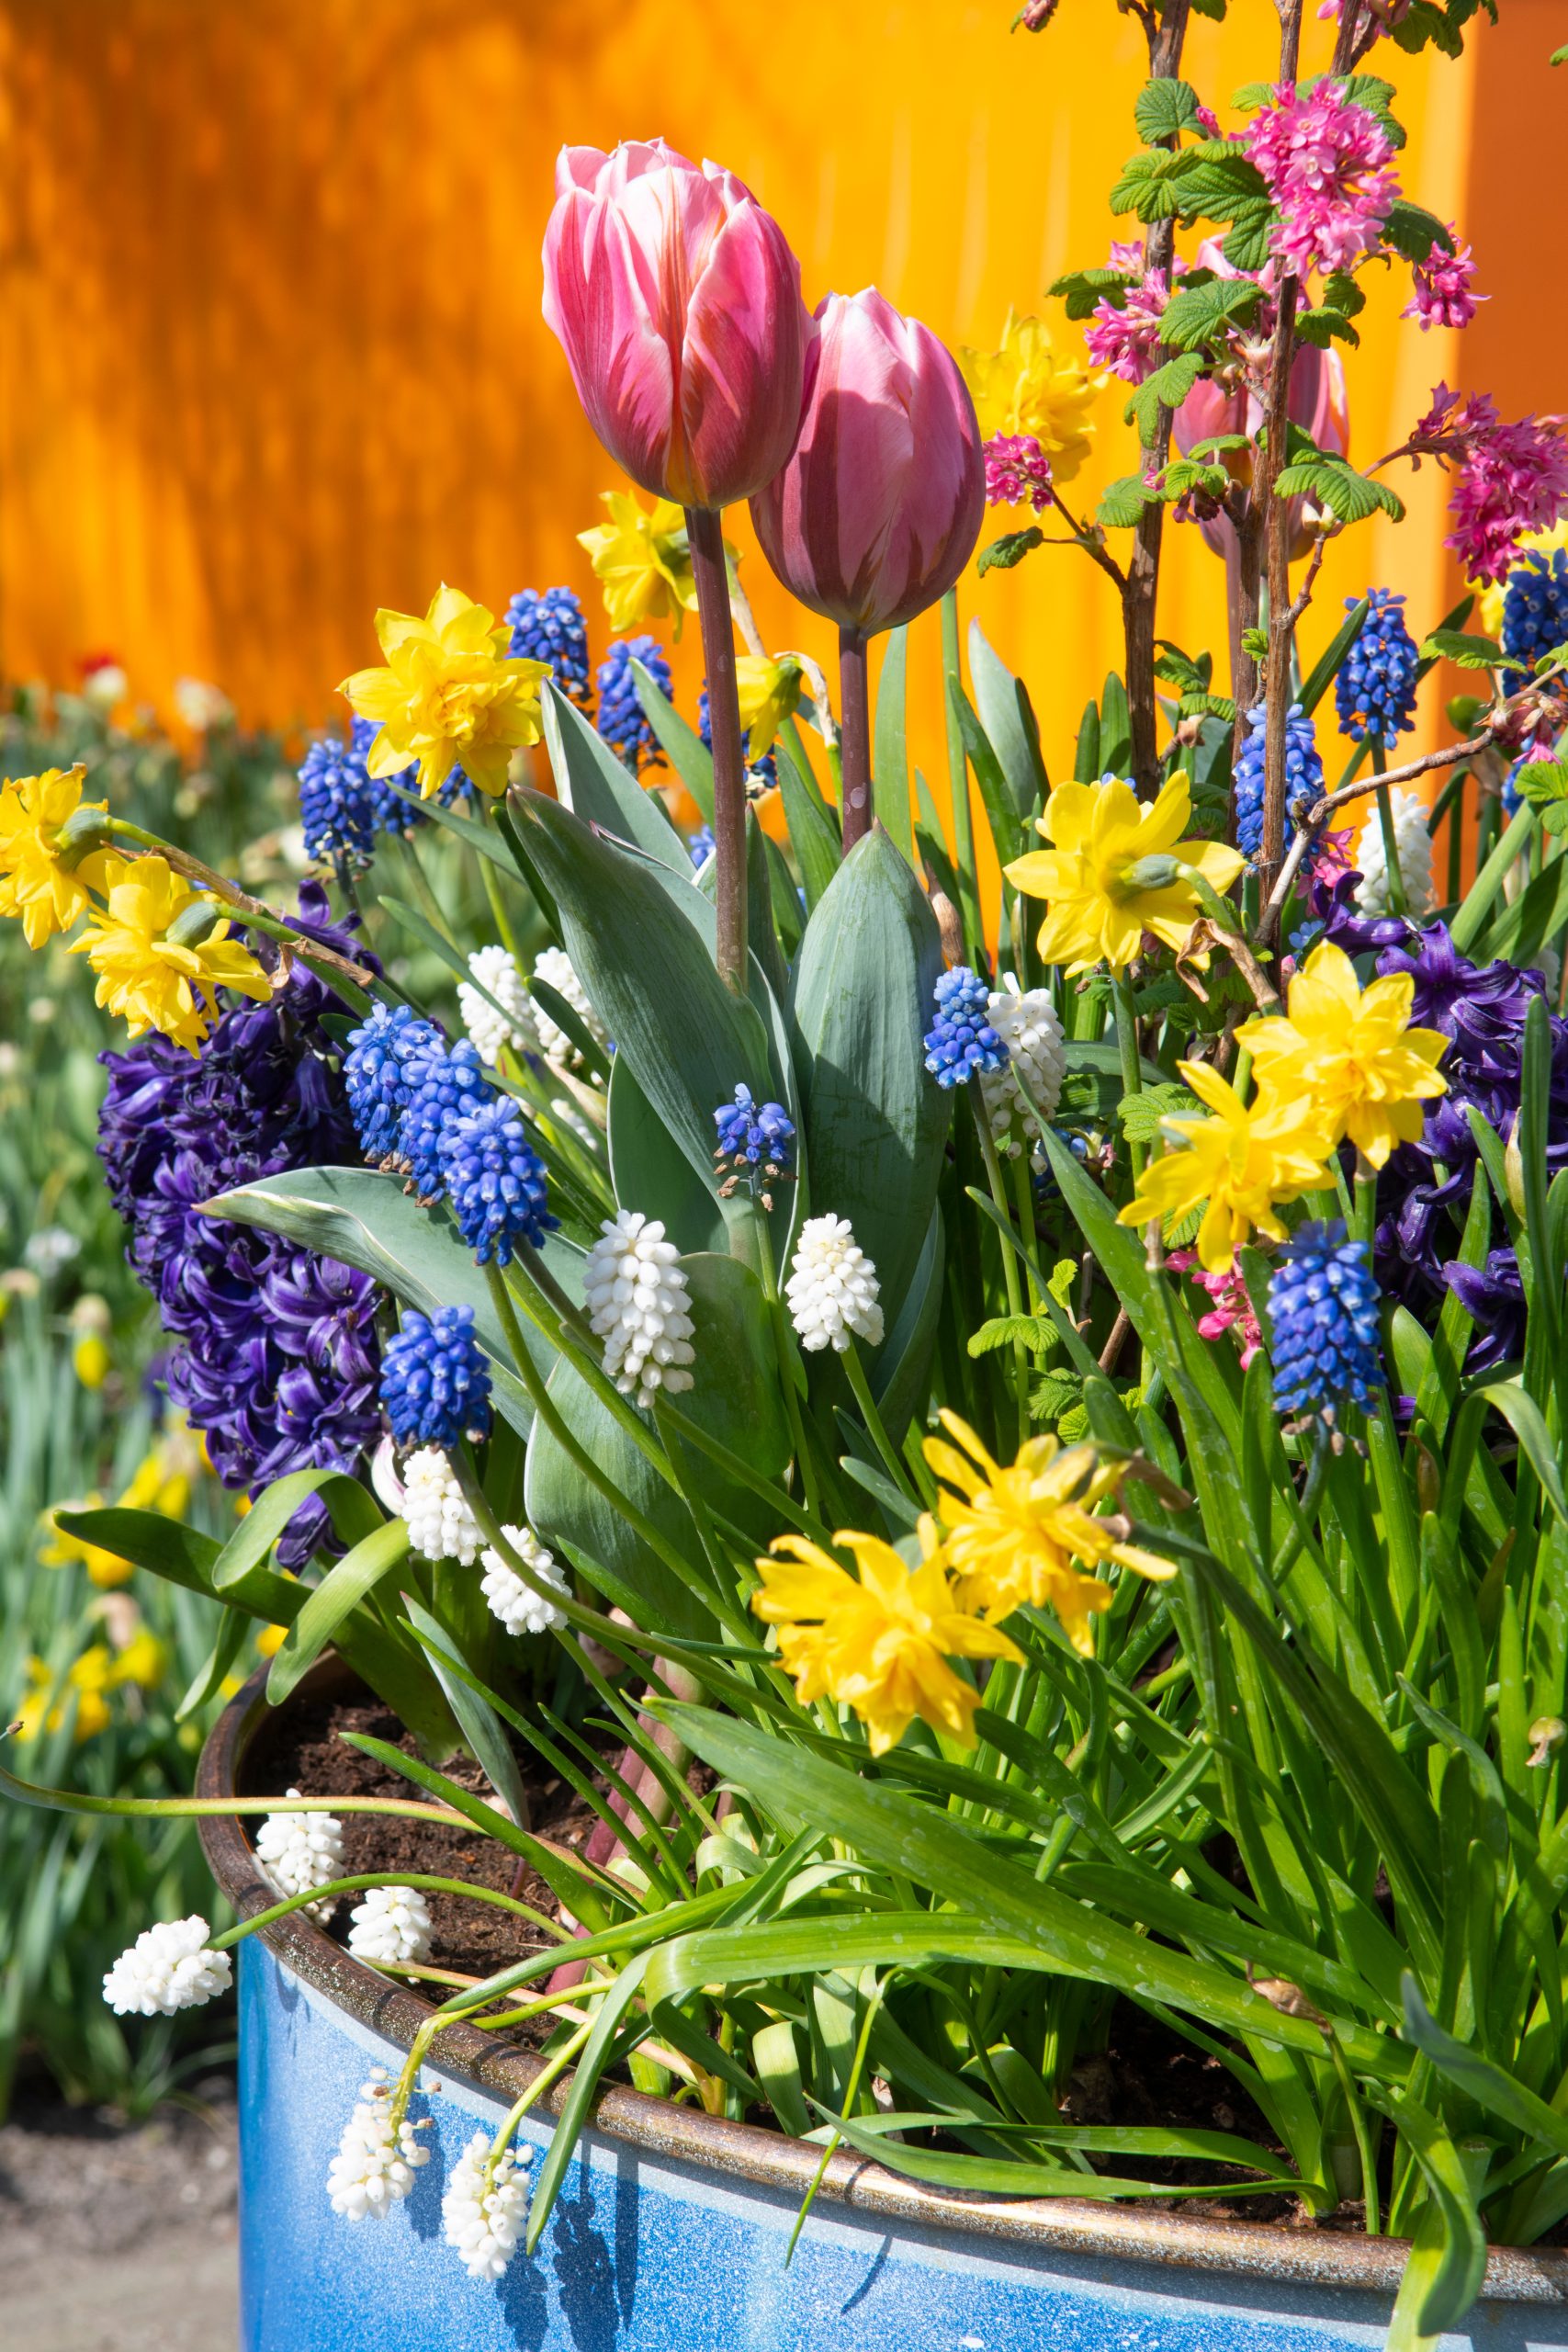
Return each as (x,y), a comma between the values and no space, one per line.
(704,535)
(854,704)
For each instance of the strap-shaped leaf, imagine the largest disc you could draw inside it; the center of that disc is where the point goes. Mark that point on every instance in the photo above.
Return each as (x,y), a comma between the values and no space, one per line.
(346,1583)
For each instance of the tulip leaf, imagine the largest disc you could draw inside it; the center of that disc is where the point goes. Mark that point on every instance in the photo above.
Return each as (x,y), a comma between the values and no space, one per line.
(598,787)
(1006,713)
(688,755)
(651,1172)
(875,1120)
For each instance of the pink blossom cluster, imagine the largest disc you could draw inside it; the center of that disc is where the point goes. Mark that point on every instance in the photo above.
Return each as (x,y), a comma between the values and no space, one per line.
(1443,284)
(1018,471)
(1124,341)
(1324,160)
(1512,478)
(1232,1305)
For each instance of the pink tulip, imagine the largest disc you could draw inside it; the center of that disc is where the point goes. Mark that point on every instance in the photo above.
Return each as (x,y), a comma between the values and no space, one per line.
(1317,402)
(878,510)
(677,302)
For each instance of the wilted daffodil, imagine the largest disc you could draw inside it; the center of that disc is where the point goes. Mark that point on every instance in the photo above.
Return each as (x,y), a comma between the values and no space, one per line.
(1238,1166)
(1023,387)
(450,697)
(641,561)
(1013,1535)
(162,950)
(1351,1052)
(34,884)
(879,1645)
(1113,872)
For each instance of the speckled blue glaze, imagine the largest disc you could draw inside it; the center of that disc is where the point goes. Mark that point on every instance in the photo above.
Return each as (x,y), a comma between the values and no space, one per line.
(645,2255)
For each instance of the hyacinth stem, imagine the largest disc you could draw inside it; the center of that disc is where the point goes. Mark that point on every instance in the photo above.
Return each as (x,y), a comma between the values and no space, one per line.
(854,710)
(359,1884)
(710,570)
(875,1429)
(1010,1262)
(1394,885)
(550,2073)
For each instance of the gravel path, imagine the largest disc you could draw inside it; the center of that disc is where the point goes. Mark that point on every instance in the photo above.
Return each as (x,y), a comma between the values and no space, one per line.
(117,2238)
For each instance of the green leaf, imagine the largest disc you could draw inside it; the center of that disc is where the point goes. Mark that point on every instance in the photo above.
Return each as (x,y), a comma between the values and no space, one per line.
(1467,651)
(1036,1332)
(1327,669)
(813,834)
(1083,289)
(355,1515)
(1142,1114)
(1414,231)
(1001,814)
(1193,318)
(684,748)
(874,1124)
(1165,108)
(1010,549)
(477,1721)
(598,788)
(648,1166)
(1001,701)
(1328,482)
(890,759)
(1167,388)
(346,1583)
(1120,504)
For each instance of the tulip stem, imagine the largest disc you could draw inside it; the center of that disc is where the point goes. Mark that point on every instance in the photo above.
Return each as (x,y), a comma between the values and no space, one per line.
(855,713)
(704,535)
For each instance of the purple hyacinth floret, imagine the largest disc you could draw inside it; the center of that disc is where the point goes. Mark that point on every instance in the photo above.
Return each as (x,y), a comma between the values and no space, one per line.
(443,1085)
(434,1380)
(961,1041)
(275,1356)
(1323,1317)
(385,1054)
(1334,914)
(494,1179)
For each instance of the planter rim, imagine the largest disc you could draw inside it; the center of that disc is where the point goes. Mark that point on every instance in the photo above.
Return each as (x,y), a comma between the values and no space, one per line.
(747,2152)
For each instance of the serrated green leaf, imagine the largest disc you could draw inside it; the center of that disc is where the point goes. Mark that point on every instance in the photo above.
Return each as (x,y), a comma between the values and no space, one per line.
(1198,314)
(1122,501)
(1165,108)
(1035,1332)
(1467,651)
(1141,1114)
(1010,549)
(1083,289)
(1412,232)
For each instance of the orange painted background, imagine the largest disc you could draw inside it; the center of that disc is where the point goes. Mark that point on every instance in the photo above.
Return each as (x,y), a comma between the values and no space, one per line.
(270,345)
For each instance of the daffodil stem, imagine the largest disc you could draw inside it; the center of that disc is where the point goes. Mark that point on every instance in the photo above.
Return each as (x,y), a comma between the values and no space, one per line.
(896,1467)
(1127,1048)
(789,1357)
(854,708)
(1397,904)
(1010,1262)
(705,534)
(255,912)
(1365,1224)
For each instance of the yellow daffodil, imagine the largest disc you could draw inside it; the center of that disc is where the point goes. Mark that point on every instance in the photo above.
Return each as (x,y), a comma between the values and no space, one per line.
(47,1703)
(33,884)
(1012,1536)
(1351,1052)
(1025,387)
(641,561)
(1242,1163)
(160,954)
(879,1645)
(1113,872)
(451,696)
(161,1480)
(769,692)
(1490,594)
(144,1661)
(269,1641)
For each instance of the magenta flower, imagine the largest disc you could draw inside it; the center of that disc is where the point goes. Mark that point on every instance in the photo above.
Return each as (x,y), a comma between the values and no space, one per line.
(1323,161)
(1231,1303)
(1512,478)
(1018,471)
(1442,295)
(878,510)
(677,302)
(1124,340)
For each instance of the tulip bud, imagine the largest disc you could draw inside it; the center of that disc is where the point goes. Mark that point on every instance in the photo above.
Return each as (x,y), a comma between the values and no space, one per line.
(677,301)
(878,510)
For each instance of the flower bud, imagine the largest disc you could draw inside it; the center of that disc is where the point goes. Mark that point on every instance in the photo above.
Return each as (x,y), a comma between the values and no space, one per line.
(878,509)
(195,922)
(677,301)
(86,829)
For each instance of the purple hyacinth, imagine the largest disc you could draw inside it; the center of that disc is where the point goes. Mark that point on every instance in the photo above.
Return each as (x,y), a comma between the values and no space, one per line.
(274,1354)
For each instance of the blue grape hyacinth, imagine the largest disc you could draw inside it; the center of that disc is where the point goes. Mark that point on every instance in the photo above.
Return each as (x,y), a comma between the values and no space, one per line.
(1375,689)
(435,1381)
(753,1136)
(1303,776)
(961,1040)
(1322,1313)
(702,846)
(494,1179)
(621,720)
(386,1056)
(1535,605)
(550,627)
(342,806)
(445,1084)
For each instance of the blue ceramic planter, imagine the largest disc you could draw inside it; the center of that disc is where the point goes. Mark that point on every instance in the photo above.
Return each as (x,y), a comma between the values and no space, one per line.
(671,2232)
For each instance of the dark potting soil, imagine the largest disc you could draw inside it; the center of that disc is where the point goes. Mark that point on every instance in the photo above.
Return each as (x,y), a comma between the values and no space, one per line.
(1146,2074)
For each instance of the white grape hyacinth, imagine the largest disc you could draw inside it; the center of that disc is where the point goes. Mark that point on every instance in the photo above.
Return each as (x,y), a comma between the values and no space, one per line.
(300,1850)
(832,1289)
(511,1597)
(515,1024)
(555,968)
(440,1524)
(376,2161)
(637,1300)
(390,1926)
(1027,1025)
(1414,843)
(167,1968)
(484,2217)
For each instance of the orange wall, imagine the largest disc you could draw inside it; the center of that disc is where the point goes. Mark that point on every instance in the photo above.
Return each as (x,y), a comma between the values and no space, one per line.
(270,345)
